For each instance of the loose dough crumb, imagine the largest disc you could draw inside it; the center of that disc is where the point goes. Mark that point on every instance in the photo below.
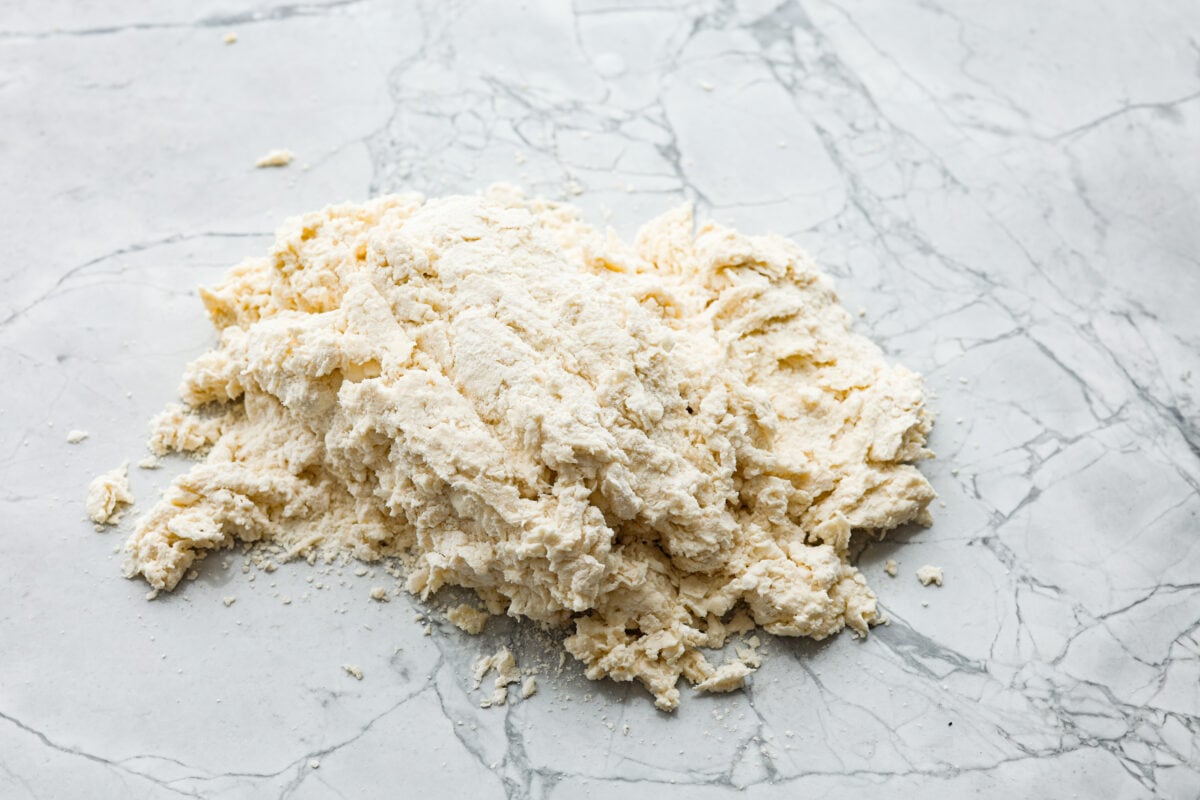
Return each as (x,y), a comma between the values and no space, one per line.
(107,496)
(230,38)
(725,678)
(505,667)
(275,158)
(228,601)
(353,671)
(149,462)
(529,688)
(929,574)
(468,617)
(314,764)
(379,593)
(891,567)
(748,656)
(644,440)
(177,430)
(76,436)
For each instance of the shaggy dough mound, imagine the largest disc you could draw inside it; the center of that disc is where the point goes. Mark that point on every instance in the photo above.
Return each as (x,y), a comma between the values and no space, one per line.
(639,440)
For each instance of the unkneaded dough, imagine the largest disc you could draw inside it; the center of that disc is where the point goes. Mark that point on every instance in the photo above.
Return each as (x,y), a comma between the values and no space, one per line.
(107,496)
(640,440)
(507,673)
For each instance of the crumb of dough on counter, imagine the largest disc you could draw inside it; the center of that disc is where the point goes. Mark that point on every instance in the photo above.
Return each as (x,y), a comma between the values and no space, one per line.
(725,678)
(505,667)
(891,567)
(228,600)
(468,618)
(76,436)
(380,594)
(230,38)
(929,574)
(149,462)
(353,671)
(529,688)
(107,496)
(275,158)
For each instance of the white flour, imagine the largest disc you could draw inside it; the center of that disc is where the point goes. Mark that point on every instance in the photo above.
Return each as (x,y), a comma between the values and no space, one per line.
(639,440)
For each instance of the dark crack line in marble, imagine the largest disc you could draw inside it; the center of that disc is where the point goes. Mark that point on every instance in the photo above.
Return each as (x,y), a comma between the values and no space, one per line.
(139,247)
(84,754)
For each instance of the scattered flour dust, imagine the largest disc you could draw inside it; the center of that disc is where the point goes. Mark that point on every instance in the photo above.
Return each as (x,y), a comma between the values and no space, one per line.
(660,443)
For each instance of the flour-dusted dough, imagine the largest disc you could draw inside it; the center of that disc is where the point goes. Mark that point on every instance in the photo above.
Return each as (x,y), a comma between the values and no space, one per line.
(107,496)
(636,439)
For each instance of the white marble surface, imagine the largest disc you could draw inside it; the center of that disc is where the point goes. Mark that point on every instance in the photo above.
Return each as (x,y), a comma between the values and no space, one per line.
(1010,191)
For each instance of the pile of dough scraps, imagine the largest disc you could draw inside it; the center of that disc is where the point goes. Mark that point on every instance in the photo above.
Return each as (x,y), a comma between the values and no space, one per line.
(658,443)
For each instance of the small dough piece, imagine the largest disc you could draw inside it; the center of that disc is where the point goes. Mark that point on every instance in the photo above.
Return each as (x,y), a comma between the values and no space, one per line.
(108,494)
(529,688)
(468,618)
(275,158)
(929,574)
(725,678)
(353,671)
(891,567)
(505,667)
(230,38)
(149,462)
(175,430)
(76,436)
(380,594)
(749,655)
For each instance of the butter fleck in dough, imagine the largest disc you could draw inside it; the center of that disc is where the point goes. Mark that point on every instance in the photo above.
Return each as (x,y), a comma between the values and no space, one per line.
(642,440)
(107,496)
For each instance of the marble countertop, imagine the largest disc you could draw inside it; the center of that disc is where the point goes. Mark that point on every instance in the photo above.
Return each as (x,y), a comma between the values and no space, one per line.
(1009,191)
